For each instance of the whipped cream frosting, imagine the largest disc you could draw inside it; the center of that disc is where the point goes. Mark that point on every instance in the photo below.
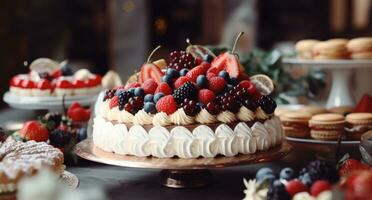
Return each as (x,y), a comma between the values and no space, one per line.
(260,114)
(226,117)
(180,118)
(179,141)
(161,119)
(245,114)
(142,118)
(204,117)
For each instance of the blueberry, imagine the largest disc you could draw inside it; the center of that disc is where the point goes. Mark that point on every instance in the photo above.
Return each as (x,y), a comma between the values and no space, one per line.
(264,171)
(183,72)
(149,98)
(267,177)
(202,81)
(139,92)
(168,79)
(66,70)
(82,134)
(234,81)
(277,183)
(150,107)
(131,90)
(306,179)
(224,75)
(208,58)
(287,173)
(158,96)
(172,73)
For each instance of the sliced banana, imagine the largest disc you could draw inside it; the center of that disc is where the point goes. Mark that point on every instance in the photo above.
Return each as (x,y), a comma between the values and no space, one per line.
(44,65)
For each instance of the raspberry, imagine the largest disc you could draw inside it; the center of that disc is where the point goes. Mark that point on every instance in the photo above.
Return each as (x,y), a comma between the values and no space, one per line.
(180,81)
(295,186)
(217,84)
(164,88)
(210,75)
(319,187)
(166,104)
(114,102)
(149,86)
(205,96)
(195,72)
(186,91)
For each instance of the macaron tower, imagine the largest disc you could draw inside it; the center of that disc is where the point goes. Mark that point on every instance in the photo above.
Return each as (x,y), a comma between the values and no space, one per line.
(327,126)
(331,49)
(357,124)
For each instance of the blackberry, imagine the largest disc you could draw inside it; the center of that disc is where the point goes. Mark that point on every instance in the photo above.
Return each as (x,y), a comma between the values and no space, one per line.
(180,60)
(52,120)
(59,138)
(123,98)
(277,192)
(109,94)
(186,91)
(320,170)
(134,104)
(267,104)
(190,107)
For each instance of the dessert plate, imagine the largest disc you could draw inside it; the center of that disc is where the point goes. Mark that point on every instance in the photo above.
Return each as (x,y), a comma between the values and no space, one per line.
(312,141)
(178,172)
(48,103)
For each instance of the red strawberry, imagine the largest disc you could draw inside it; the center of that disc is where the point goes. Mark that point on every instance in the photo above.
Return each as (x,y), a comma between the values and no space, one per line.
(166,104)
(34,130)
(73,106)
(205,96)
(150,70)
(57,73)
(219,63)
(149,86)
(365,104)
(132,85)
(243,76)
(195,72)
(217,84)
(205,65)
(114,102)
(44,84)
(251,88)
(180,81)
(319,187)
(349,165)
(64,84)
(358,185)
(80,114)
(228,62)
(28,84)
(198,60)
(164,88)
(210,75)
(295,186)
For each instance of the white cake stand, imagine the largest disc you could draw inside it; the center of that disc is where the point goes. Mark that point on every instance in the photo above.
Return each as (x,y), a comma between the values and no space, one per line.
(46,103)
(341,71)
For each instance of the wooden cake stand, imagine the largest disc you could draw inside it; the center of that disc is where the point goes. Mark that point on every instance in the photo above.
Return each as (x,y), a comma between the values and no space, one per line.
(177,172)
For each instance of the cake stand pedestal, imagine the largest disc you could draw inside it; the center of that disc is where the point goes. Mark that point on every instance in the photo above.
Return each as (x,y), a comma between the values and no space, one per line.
(341,71)
(178,172)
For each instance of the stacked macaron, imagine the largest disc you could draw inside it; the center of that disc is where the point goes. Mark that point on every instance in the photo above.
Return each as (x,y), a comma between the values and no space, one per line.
(295,124)
(357,48)
(360,48)
(357,125)
(328,126)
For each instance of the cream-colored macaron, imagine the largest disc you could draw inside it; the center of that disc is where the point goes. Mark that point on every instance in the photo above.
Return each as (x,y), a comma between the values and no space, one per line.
(331,49)
(357,125)
(359,118)
(328,126)
(304,48)
(295,124)
(360,48)
(313,110)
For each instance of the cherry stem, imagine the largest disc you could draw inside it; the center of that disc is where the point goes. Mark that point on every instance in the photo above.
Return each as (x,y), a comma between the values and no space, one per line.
(188,41)
(236,41)
(152,52)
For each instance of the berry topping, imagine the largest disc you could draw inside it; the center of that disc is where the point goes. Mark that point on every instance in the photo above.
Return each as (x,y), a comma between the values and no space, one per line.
(134,104)
(166,104)
(150,107)
(295,186)
(114,102)
(224,75)
(167,79)
(172,73)
(267,104)
(77,113)
(34,130)
(211,75)
(149,86)
(149,98)
(44,85)
(28,84)
(190,107)
(217,84)
(78,84)
(212,108)
(158,96)
(186,91)
(202,81)
(181,59)
(150,71)
(205,96)
(109,94)
(132,85)
(164,88)
(123,98)
(184,71)
(180,81)
(64,84)
(319,187)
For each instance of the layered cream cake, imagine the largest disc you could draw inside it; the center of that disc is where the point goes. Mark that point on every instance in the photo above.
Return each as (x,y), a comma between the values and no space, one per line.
(196,107)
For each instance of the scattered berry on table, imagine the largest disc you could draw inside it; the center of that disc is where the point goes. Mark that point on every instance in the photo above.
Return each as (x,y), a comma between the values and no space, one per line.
(262,172)
(287,173)
(277,191)
(319,187)
(295,186)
